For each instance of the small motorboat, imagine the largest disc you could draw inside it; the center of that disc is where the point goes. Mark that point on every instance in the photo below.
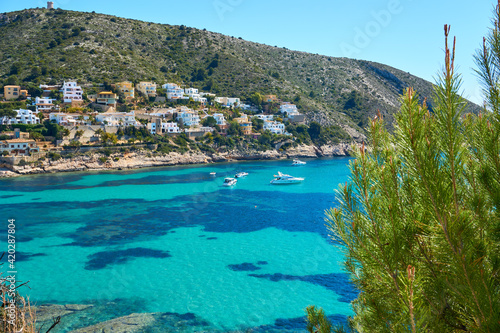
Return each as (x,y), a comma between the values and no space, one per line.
(241,174)
(282,179)
(213,173)
(229,181)
(298,162)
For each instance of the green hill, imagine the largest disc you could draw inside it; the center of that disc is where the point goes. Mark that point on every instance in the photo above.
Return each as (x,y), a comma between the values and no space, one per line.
(40,45)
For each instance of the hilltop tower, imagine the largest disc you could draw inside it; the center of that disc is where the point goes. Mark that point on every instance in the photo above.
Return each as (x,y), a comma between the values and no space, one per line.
(50,5)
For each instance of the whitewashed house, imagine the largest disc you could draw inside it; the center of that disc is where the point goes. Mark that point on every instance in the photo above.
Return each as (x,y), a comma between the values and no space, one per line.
(188,117)
(219,117)
(71,92)
(195,95)
(19,146)
(289,108)
(274,127)
(45,104)
(160,127)
(64,119)
(192,91)
(174,91)
(23,117)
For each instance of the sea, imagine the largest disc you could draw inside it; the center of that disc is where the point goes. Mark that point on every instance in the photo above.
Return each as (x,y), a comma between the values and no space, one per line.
(173,241)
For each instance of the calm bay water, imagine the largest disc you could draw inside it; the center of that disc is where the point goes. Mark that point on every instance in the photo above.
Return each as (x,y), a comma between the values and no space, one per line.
(174,240)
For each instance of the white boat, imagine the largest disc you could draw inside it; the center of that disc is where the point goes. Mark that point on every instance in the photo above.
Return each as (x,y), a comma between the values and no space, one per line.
(213,173)
(298,162)
(229,181)
(285,179)
(241,174)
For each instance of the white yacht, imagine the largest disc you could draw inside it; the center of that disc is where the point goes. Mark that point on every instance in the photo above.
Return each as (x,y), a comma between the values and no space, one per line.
(213,173)
(241,174)
(285,179)
(229,181)
(298,162)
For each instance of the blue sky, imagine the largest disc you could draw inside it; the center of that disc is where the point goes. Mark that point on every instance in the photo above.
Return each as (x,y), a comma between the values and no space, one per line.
(406,34)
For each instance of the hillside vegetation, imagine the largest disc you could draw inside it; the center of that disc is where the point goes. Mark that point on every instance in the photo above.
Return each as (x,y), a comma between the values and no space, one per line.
(40,45)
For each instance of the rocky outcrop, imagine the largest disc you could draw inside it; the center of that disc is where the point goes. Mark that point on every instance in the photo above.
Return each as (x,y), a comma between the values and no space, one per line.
(6,173)
(46,312)
(145,158)
(136,322)
(341,149)
(74,316)
(302,151)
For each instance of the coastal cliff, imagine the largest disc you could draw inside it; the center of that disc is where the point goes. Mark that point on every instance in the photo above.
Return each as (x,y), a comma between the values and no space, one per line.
(143,158)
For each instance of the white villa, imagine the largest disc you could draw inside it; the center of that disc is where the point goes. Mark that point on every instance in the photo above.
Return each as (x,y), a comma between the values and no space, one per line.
(191,91)
(45,104)
(117,119)
(19,146)
(23,117)
(195,95)
(71,92)
(219,117)
(289,108)
(188,117)
(161,127)
(174,91)
(274,127)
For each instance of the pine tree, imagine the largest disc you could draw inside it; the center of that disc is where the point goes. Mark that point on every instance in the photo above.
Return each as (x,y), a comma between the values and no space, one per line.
(419,220)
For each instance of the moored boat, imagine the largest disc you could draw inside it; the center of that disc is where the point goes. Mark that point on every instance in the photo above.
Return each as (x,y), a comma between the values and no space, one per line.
(298,162)
(229,181)
(241,174)
(282,179)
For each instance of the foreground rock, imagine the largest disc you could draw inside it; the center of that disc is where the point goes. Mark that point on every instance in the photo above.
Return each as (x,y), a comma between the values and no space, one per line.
(47,312)
(136,322)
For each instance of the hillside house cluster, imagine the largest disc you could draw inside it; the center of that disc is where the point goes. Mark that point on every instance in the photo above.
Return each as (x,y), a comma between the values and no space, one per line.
(175,92)
(159,121)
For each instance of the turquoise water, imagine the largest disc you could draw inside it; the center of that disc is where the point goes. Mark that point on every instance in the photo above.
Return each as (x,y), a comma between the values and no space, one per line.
(175,240)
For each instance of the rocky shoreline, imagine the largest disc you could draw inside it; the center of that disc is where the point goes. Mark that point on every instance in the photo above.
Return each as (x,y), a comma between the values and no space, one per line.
(144,158)
(96,318)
